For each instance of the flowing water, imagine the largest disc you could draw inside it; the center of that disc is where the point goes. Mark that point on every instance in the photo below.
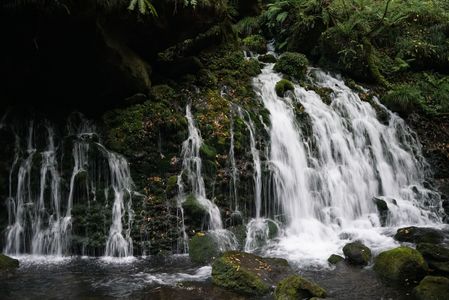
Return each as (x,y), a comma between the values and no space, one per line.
(330,160)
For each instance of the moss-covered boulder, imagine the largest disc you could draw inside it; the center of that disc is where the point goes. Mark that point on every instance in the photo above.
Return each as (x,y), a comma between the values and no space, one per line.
(203,248)
(296,287)
(194,212)
(335,259)
(400,265)
(248,273)
(357,254)
(419,235)
(432,288)
(292,64)
(436,256)
(8,263)
(283,86)
(255,43)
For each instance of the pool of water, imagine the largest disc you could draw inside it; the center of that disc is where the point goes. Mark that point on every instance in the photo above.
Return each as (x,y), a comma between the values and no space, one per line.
(155,278)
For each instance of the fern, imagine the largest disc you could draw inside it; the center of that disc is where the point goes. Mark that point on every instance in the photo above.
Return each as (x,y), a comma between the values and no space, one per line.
(144,6)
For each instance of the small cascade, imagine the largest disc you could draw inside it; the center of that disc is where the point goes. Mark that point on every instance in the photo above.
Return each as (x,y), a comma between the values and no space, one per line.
(119,243)
(328,168)
(233,193)
(192,168)
(39,206)
(192,171)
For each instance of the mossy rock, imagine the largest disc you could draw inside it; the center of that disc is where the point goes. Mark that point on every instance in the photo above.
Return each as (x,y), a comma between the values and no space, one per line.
(239,232)
(400,265)
(172,185)
(296,287)
(203,248)
(292,64)
(335,259)
(194,212)
(283,86)
(248,273)
(8,263)
(357,254)
(419,235)
(436,256)
(255,43)
(267,58)
(432,288)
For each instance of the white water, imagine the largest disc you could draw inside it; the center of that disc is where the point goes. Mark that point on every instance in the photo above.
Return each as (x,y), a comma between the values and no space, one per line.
(40,216)
(325,181)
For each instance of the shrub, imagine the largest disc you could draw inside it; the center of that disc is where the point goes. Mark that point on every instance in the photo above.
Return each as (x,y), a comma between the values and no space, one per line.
(255,43)
(404,99)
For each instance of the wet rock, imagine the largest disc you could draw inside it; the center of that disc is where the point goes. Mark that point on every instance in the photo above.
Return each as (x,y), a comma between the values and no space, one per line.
(194,212)
(436,256)
(357,254)
(297,287)
(267,58)
(432,288)
(419,235)
(400,265)
(203,248)
(239,232)
(8,263)
(248,273)
(335,259)
(382,208)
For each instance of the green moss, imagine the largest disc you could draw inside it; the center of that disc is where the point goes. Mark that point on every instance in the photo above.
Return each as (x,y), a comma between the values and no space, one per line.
(229,271)
(255,43)
(194,211)
(400,265)
(172,184)
(267,58)
(203,248)
(283,86)
(432,288)
(335,259)
(8,263)
(296,287)
(292,64)
(208,152)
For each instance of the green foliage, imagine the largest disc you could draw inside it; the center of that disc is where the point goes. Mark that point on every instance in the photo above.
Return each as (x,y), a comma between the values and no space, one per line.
(404,99)
(255,43)
(144,6)
(283,86)
(248,26)
(292,64)
(8,263)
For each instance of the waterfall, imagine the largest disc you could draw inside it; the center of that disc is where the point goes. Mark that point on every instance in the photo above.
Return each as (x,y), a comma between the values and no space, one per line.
(330,160)
(192,170)
(40,208)
(233,194)
(120,245)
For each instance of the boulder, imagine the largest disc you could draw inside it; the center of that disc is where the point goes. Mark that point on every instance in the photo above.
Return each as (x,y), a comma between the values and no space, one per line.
(357,254)
(8,263)
(400,265)
(419,235)
(432,288)
(292,64)
(382,208)
(203,248)
(436,256)
(283,86)
(296,287)
(248,273)
(335,259)
(194,212)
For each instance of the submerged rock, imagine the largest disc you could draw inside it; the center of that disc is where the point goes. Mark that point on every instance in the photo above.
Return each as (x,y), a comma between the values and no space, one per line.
(436,256)
(432,288)
(419,235)
(357,254)
(203,248)
(296,287)
(335,259)
(382,208)
(400,265)
(248,273)
(8,263)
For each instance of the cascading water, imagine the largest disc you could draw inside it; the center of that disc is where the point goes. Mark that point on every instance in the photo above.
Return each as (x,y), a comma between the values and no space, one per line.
(40,214)
(325,177)
(192,169)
